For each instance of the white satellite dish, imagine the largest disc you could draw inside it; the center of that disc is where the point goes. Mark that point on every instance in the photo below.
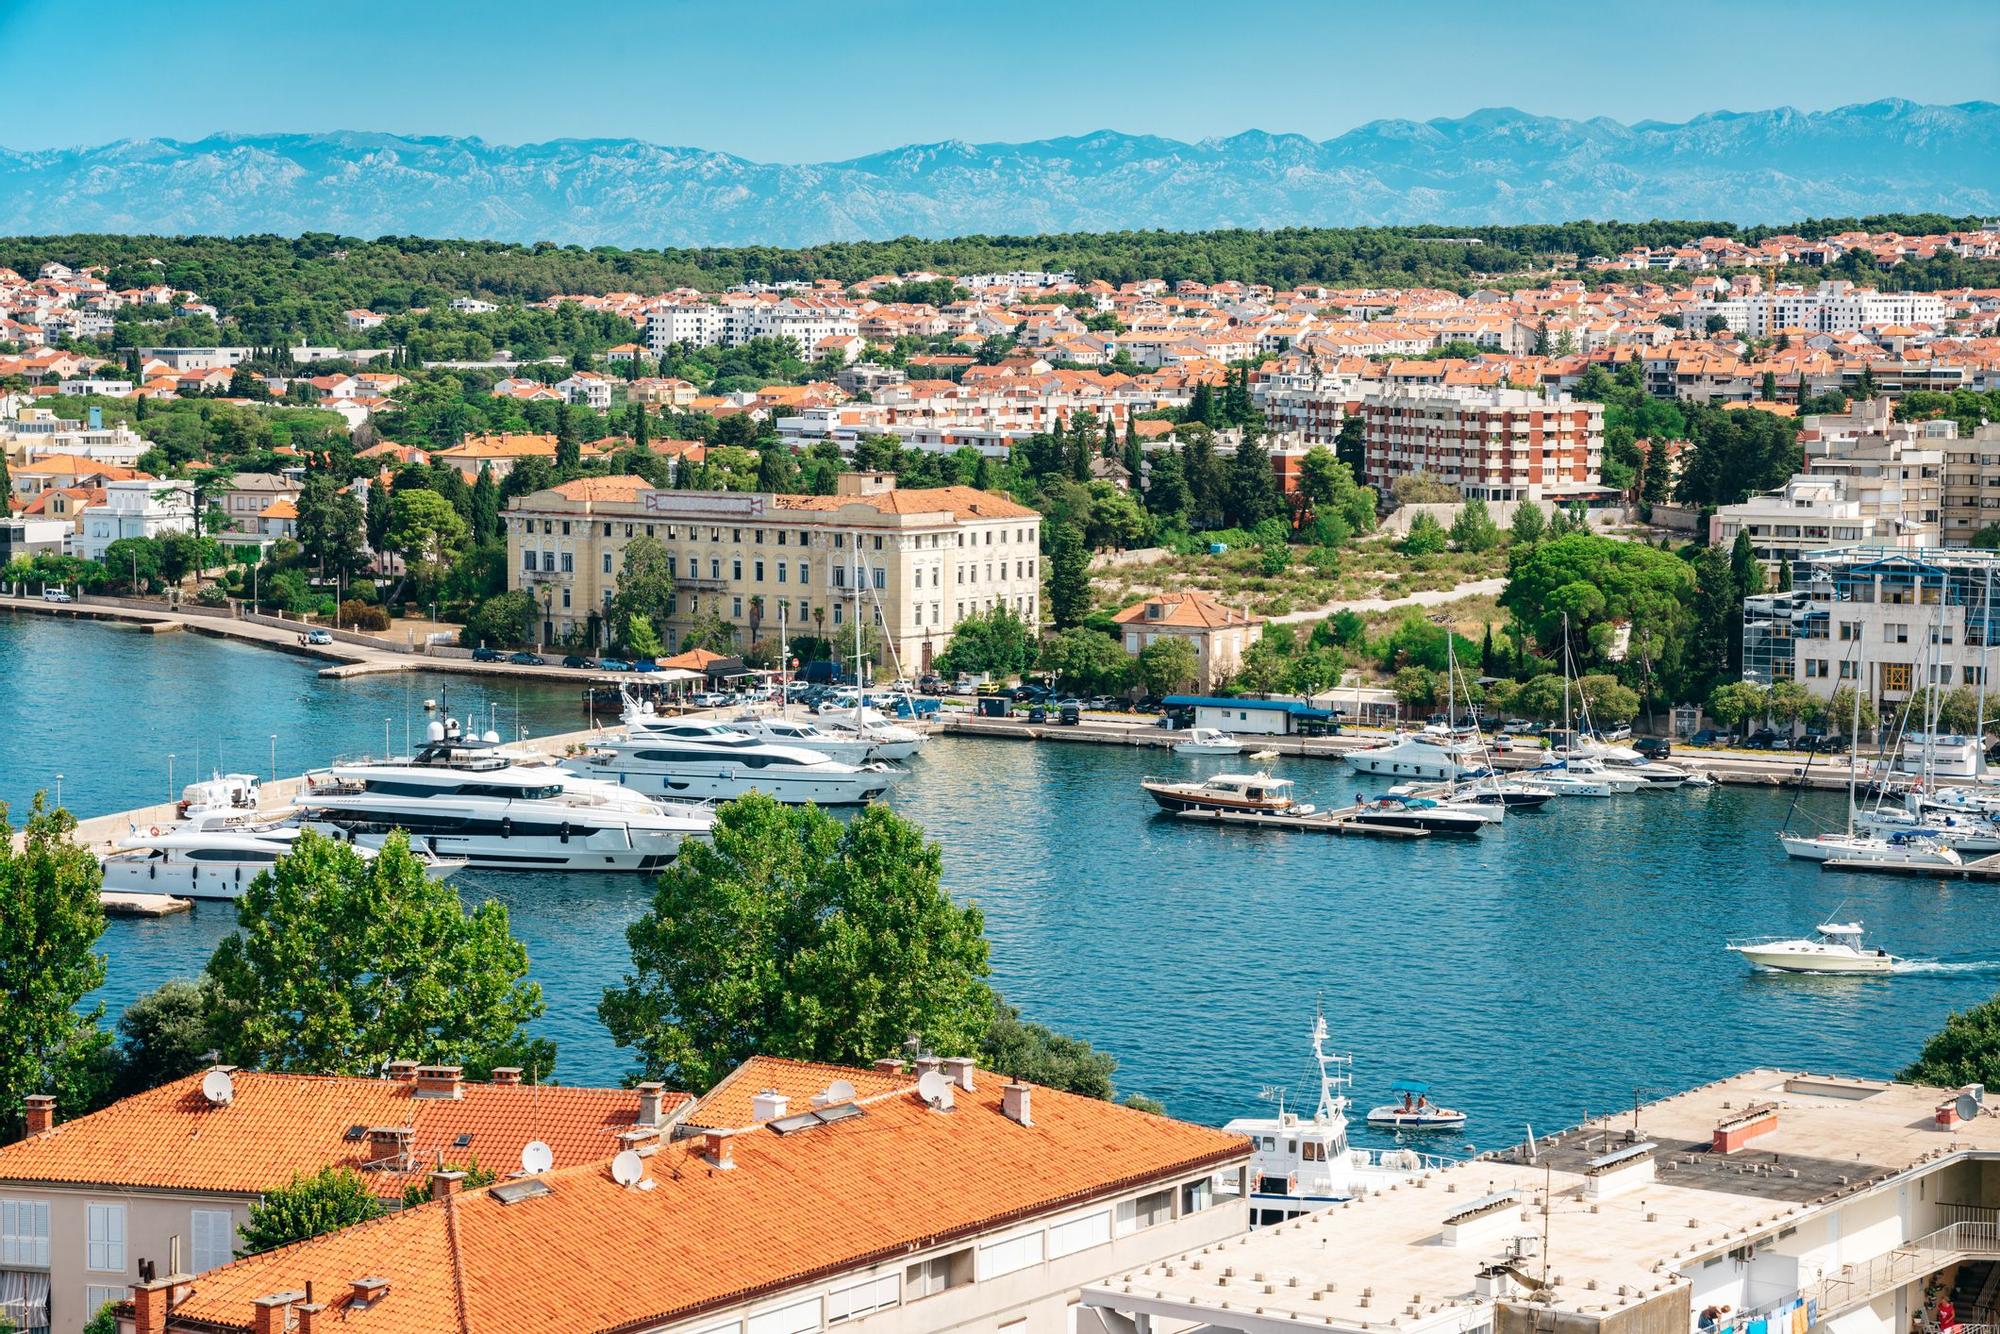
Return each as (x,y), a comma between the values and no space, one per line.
(839,1091)
(931,1086)
(218,1087)
(536,1157)
(628,1168)
(1968,1107)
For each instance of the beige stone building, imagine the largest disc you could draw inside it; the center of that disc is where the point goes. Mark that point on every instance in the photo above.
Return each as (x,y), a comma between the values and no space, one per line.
(915,562)
(1220,634)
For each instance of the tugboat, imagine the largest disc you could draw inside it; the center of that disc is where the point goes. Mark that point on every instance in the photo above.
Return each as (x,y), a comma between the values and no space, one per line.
(1416,1111)
(1297,1165)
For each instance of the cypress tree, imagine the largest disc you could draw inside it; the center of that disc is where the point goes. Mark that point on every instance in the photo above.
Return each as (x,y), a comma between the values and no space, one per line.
(569,452)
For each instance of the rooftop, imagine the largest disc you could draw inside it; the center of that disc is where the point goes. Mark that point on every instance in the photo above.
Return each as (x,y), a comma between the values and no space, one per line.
(1190,607)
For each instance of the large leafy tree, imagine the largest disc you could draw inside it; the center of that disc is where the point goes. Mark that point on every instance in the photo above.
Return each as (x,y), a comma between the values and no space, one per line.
(997,641)
(309,1206)
(331,526)
(1168,665)
(645,585)
(165,1034)
(1069,576)
(1596,581)
(50,921)
(1965,1051)
(792,934)
(427,530)
(340,964)
(1085,660)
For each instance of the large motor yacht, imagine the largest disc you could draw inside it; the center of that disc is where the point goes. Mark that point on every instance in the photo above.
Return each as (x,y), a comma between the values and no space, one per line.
(1432,754)
(888,740)
(1299,1165)
(213,858)
(471,799)
(685,758)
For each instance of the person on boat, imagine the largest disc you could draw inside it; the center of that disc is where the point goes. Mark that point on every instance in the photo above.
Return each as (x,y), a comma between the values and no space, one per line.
(1406,1103)
(1423,1103)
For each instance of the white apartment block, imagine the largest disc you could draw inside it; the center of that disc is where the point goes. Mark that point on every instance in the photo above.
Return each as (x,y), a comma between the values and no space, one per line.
(1831,307)
(1493,444)
(696,324)
(143,507)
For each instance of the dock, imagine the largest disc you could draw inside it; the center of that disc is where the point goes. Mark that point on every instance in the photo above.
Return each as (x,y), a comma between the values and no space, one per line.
(1319,822)
(1986,868)
(118,903)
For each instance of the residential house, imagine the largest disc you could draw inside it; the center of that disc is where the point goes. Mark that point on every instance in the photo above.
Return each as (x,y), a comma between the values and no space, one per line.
(1219,634)
(250,494)
(138,507)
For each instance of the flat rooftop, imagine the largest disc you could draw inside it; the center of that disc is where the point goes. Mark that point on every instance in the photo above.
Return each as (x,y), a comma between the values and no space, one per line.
(1409,1257)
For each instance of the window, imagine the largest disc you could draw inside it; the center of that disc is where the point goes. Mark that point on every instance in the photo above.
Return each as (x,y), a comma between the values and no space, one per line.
(1144,1212)
(24,1233)
(548,562)
(736,569)
(937,1273)
(565,527)
(1850,629)
(759,568)
(880,577)
(1199,1195)
(106,1242)
(736,608)
(213,1232)
(565,595)
(527,560)
(714,567)
(1005,1257)
(1895,632)
(1079,1234)
(607,563)
(568,563)
(798,1318)
(805,573)
(96,1296)
(859,1299)
(781,571)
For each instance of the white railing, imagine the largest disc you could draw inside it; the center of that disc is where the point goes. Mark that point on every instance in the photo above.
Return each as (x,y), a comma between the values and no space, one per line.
(1908,1263)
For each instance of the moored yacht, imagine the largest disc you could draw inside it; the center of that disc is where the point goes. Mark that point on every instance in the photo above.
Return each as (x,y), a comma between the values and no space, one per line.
(212,859)
(1909,848)
(468,799)
(686,759)
(1433,817)
(1258,794)
(1433,754)
(782,731)
(888,740)
(1207,741)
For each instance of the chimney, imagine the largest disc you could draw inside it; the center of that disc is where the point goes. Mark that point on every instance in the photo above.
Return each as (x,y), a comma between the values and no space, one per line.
(718,1149)
(40,1109)
(958,1069)
(927,1065)
(365,1292)
(440,1081)
(1014,1103)
(508,1075)
(388,1145)
(444,1184)
(651,1105)
(403,1072)
(308,1318)
(889,1065)
(768,1106)
(151,1300)
(272,1314)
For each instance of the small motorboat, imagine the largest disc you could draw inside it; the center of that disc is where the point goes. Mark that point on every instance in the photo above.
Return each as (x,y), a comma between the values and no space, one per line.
(1423,813)
(1834,947)
(1208,741)
(1415,1111)
(1257,793)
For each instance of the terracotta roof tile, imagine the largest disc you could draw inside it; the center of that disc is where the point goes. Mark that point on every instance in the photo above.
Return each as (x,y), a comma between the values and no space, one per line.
(962,502)
(1191,607)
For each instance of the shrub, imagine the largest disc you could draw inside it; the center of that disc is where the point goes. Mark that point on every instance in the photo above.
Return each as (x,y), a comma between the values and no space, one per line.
(359,615)
(211,595)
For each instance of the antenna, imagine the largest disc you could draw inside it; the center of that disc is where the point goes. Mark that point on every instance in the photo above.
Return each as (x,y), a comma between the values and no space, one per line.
(218,1088)
(932,1086)
(628,1168)
(536,1157)
(839,1091)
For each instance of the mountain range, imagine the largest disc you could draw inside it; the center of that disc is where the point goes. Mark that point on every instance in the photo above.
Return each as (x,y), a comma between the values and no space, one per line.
(1494,166)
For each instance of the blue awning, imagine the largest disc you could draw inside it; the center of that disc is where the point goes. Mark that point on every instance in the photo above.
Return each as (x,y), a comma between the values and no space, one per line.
(1291,706)
(1409,1086)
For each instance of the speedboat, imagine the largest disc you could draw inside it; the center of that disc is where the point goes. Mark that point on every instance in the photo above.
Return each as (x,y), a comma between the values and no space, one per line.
(1834,947)
(1416,1111)
(1619,779)
(472,799)
(1433,754)
(1451,798)
(1433,817)
(1208,741)
(1560,779)
(1512,793)
(1298,1165)
(683,759)
(214,860)
(1257,793)
(1910,848)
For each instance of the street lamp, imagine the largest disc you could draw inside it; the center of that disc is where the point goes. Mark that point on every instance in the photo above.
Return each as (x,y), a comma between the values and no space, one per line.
(274,757)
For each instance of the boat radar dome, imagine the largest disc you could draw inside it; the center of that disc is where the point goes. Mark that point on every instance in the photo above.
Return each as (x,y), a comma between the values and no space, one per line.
(490,737)
(435,732)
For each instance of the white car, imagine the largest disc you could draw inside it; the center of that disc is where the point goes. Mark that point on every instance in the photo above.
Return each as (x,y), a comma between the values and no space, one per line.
(55,595)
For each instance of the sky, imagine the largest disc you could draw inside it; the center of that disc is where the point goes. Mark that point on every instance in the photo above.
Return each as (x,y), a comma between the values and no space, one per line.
(792,81)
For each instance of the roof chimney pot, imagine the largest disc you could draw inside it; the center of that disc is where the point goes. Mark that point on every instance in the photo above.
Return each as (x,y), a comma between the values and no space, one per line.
(40,1110)
(506,1074)
(889,1065)
(720,1149)
(927,1065)
(403,1072)
(959,1070)
(152,1300)
(652,1104)
(445,1184)
(1014,1102)
(768,1105)
(440,1081)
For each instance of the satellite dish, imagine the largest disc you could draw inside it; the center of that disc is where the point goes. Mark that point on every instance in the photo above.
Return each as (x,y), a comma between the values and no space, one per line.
(839,1091)
(1968,1107)
(628,1168)
(218,1087)
(536,1157)
(931,1086)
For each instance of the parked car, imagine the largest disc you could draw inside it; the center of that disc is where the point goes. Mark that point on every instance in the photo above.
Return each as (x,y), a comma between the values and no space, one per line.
(613,665)
(1104,701)
(710,699)
(577,660)
(527,659)
(930,685)
(1708,736)
(1069,712)
(1654,747)
(485,654)
(645,665)
(1038,713)
(318,637)
(55,595)
(1764,738)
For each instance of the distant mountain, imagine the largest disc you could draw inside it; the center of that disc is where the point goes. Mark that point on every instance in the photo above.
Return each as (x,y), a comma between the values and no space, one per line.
(1498,165)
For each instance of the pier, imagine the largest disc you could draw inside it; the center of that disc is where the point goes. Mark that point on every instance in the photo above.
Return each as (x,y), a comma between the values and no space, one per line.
(1319,822)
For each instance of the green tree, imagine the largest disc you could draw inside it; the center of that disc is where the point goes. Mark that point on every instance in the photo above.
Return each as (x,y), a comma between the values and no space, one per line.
(341,963)
(1737,703)
(1965,1051)
(164,1035)
(501,621)
(485,507)
(427,531)
(995,642)
(1526,529)
(1085,661)
(1598,583)
(569,450)
(1028,1051)
(330,526)
(791,934)
(645,583)
(1069,576)
(1168,666)
(419,1192)
(1167,496)
(1416,686)
(1425,538)
(308,1206)
(50,921)
(1253,491)
(642,640)
(133,562)
(1474,529)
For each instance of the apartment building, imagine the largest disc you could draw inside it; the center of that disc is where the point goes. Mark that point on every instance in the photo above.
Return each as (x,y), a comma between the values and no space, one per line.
(939,1198)
(1770,1201)
(135,507)
(1878,618)
(250,496)
(164,1180)
(911,563)
(807,322)
(1492,443)
(1219,634)
(1830,307)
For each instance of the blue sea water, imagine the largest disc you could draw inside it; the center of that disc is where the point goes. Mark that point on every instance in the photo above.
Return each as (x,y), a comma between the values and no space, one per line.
(1561,964)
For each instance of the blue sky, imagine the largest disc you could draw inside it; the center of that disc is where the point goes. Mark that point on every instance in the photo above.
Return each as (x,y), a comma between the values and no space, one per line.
(787,81)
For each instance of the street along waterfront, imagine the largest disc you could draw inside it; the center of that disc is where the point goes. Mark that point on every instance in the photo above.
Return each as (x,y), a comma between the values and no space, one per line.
(1550,967)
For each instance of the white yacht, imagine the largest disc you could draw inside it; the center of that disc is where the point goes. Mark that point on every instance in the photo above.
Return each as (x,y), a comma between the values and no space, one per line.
(1208,741)
(1299,1165)
(1910,848)
(1416,1111)
(783,731)
(1559,779)
(1433,817)
(686,759)
(212,859)
(888,740)
(1834,947)
(1436,755)
(469,799)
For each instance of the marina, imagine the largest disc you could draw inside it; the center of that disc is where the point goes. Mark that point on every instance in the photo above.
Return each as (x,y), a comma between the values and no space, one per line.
(1530,971)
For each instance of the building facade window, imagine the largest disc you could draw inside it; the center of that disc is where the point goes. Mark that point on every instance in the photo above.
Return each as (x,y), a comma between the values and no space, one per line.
(213,1234)
(24,1233)
(105,1241)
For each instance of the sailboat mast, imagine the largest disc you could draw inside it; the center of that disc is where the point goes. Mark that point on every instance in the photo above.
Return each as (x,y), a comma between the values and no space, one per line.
(1853,757)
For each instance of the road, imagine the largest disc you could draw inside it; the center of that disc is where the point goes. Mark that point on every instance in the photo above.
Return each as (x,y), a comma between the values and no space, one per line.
(1433,598)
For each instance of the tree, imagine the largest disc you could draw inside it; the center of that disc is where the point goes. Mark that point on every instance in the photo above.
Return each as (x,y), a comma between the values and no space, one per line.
(1743,567)
(340,964)
(134,562)
(791,934)
(500,621)
(1425,538)
(330,526)
(1598,583)
(1737,703)
(1033,1053)
(164,1035)
(996,642)
(1965,1051)
(1416,686)
(569,450)
(1085,661)
(1253,491)
(645,583)
(1423,488)
(50,921)
(1350,446)
(379,517)
(427,530)
(309,1206)
(1168,666)
(1167,496)
(485,506)
(1069,576)
(1474,529)
(1526,529)
(419,1192)
(642,640)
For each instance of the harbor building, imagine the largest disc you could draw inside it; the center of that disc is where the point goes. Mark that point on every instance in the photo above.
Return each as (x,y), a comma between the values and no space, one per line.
(1882,619)
(168,1176)
(933,1198)
(915,562)
(1772,1202)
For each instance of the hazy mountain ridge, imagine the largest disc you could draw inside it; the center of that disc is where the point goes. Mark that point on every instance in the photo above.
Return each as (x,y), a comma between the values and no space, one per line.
(1496,165)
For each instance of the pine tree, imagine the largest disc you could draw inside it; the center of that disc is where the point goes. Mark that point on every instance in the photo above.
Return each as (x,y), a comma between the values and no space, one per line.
(1069,576)
(1135,456)
(485,506)
(1487,662)
(1785,574)
(1110,450)
(1201,407)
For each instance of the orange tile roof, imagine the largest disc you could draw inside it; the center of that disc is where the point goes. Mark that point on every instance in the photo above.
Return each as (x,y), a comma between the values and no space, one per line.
(625,488)
(1191,607)
(280,509)
(962,502)
(279,1125)
(501,447)
(728,1103)
(593,1255)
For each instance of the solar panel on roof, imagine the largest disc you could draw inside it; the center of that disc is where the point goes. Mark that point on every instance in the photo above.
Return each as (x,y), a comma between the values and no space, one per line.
(516,1191)
(838,1113)
(787,1125)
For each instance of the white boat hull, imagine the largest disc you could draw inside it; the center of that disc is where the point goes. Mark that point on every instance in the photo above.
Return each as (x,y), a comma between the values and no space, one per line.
(722,780)
(1393,1118)
(1404,766)
(607,850)
(1808,958)
(215,880)
(1832,847)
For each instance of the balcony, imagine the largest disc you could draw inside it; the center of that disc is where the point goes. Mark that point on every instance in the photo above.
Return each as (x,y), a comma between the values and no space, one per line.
(698,584)
(1975,1238)
(539,576)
